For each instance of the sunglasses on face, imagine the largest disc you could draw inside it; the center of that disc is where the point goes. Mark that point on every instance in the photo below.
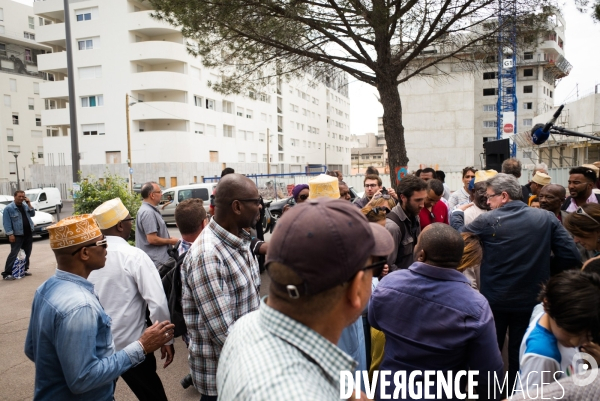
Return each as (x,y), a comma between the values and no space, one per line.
(303,197)
(256,201)
(103,243)
(582,212)
(378,209)
(377,267)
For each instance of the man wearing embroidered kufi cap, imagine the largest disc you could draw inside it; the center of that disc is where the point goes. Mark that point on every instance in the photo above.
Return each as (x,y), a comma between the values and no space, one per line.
(128,283)
(69,337)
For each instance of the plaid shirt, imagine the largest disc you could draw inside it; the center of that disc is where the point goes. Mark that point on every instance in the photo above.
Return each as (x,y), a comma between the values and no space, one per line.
(220,283)
(270,356)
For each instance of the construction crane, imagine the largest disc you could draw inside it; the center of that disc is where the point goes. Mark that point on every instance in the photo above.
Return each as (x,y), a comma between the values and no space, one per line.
(506,108)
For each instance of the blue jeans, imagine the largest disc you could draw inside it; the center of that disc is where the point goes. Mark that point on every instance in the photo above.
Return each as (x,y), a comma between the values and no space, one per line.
(21,242)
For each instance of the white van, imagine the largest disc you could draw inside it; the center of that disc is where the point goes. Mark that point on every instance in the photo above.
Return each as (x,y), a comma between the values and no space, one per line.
(44,199)
(172,196)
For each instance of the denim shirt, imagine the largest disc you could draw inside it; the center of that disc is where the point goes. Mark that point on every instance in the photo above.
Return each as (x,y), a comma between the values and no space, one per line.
(70,342)
(13,220)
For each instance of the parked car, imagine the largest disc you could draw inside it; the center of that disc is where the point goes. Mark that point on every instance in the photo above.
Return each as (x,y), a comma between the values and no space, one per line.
(41,221)
(45,199)
(172,196)
(6,199)
(137,188)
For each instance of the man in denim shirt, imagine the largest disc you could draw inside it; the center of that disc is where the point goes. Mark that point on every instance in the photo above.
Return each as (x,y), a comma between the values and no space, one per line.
(18,226)
(69,337)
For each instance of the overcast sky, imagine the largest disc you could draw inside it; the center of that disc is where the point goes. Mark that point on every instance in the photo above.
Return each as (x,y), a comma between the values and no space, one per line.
(581,50)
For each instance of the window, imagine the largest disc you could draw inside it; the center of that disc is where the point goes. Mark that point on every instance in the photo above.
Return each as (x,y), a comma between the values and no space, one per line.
(227,131)
(261,137)
(528,72)
(85,44)
(198,101)
(213,156)
(211,130)
(528,105)
(92,129)
(527,122)
(550,93)
(28,35)
(242,157)
(528,89)
(13,85)
(210,104)
(50,104)
(31,22)
(528,56)
(36,134)
(198,128)
(92,101)
(12,167)
(1,14)
(10,135)
(2,49)
(490,92)
(490,124)
(240,112)
(28,55)
(264,159)
(51,131)
(280,157)
(15,119)
(142,126)
(36,88)
(489,75)
(7,100)
(489,107)
(86,14)
(249,114)
(40,152)
(253,157)
(227,107)
(90,72)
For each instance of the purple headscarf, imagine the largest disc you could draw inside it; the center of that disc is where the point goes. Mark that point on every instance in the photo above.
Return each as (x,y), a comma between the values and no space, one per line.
(297,189)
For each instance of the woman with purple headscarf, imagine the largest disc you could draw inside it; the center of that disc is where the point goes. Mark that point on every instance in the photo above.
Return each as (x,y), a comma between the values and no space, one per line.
(300,193)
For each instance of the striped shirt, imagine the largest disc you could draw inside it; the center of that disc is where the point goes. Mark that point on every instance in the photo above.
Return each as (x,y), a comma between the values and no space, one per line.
(270,356)
(220,283)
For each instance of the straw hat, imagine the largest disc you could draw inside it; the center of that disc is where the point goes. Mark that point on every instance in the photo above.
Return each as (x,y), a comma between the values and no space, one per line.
(323,185)
(109,213)
(483,175)
(541,178)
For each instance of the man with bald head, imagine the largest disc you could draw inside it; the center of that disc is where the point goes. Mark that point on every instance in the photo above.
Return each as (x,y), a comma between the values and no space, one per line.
(551,199)
(69,337)
(432,288)
(220,278)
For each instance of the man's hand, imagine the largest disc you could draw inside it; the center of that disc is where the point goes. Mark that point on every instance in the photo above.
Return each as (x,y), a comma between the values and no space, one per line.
(28,202)
(174,241)
(157,335)
(169,352)
(11,238)
(392,193)
(465,206)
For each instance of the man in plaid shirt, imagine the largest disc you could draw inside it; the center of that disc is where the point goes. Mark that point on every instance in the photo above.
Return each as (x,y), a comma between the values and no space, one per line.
(220,278)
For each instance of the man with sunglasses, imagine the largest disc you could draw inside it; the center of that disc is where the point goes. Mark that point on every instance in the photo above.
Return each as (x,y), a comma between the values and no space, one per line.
(515,264)
(319,285)
(432,288)
(69,337)
(220,278)
(151,234)
(126,285)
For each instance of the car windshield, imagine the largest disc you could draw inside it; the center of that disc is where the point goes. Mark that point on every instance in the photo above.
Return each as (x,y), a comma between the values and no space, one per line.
(32,196)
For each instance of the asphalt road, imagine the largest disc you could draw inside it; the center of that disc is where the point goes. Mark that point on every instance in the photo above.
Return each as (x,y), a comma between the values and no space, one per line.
(18,372)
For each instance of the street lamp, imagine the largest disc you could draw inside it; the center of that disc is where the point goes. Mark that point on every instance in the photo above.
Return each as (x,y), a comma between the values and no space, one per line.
(16,154)
(127,104)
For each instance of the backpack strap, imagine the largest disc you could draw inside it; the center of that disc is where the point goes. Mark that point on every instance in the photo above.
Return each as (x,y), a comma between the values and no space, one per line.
(396,219)
(566,203)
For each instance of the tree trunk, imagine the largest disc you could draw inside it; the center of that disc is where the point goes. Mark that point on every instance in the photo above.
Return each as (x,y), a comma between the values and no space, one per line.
(393,128)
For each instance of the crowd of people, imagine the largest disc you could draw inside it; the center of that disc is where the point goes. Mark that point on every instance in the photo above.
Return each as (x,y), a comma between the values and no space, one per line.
(494,277)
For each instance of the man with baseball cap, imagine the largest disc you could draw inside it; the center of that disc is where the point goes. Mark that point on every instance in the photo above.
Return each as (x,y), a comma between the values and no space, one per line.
(321,259)
(127,285)
(69,337)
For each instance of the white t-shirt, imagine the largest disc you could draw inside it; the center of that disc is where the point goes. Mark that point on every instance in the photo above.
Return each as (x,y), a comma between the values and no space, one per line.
(541,352)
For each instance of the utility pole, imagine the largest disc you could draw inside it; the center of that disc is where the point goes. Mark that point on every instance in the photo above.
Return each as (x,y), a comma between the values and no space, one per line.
(128,142)
(72,98)
(268,153)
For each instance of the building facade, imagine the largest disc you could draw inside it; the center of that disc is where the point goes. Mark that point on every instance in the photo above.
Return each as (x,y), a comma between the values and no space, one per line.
(21,125)
(174,115)
(369,150)
(450,113)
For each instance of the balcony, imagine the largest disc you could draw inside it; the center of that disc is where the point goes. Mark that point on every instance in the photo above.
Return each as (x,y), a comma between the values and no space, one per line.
(142,22)
(158,81)
(56,117)
(160,111)
(53,62)
(54,90)
(52,9)
(53,34)
(157,52)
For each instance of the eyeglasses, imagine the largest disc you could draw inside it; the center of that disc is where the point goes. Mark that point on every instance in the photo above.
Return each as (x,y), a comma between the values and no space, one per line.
(157,192)
(582,212)
(303,197)
(256,201)
(129,219)
(103,243)
(371,185)
(377,267)
(491,196)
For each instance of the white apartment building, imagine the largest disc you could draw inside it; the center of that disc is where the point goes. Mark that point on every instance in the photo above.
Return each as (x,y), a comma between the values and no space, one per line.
(175,117)
(449,114)
(21,129)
